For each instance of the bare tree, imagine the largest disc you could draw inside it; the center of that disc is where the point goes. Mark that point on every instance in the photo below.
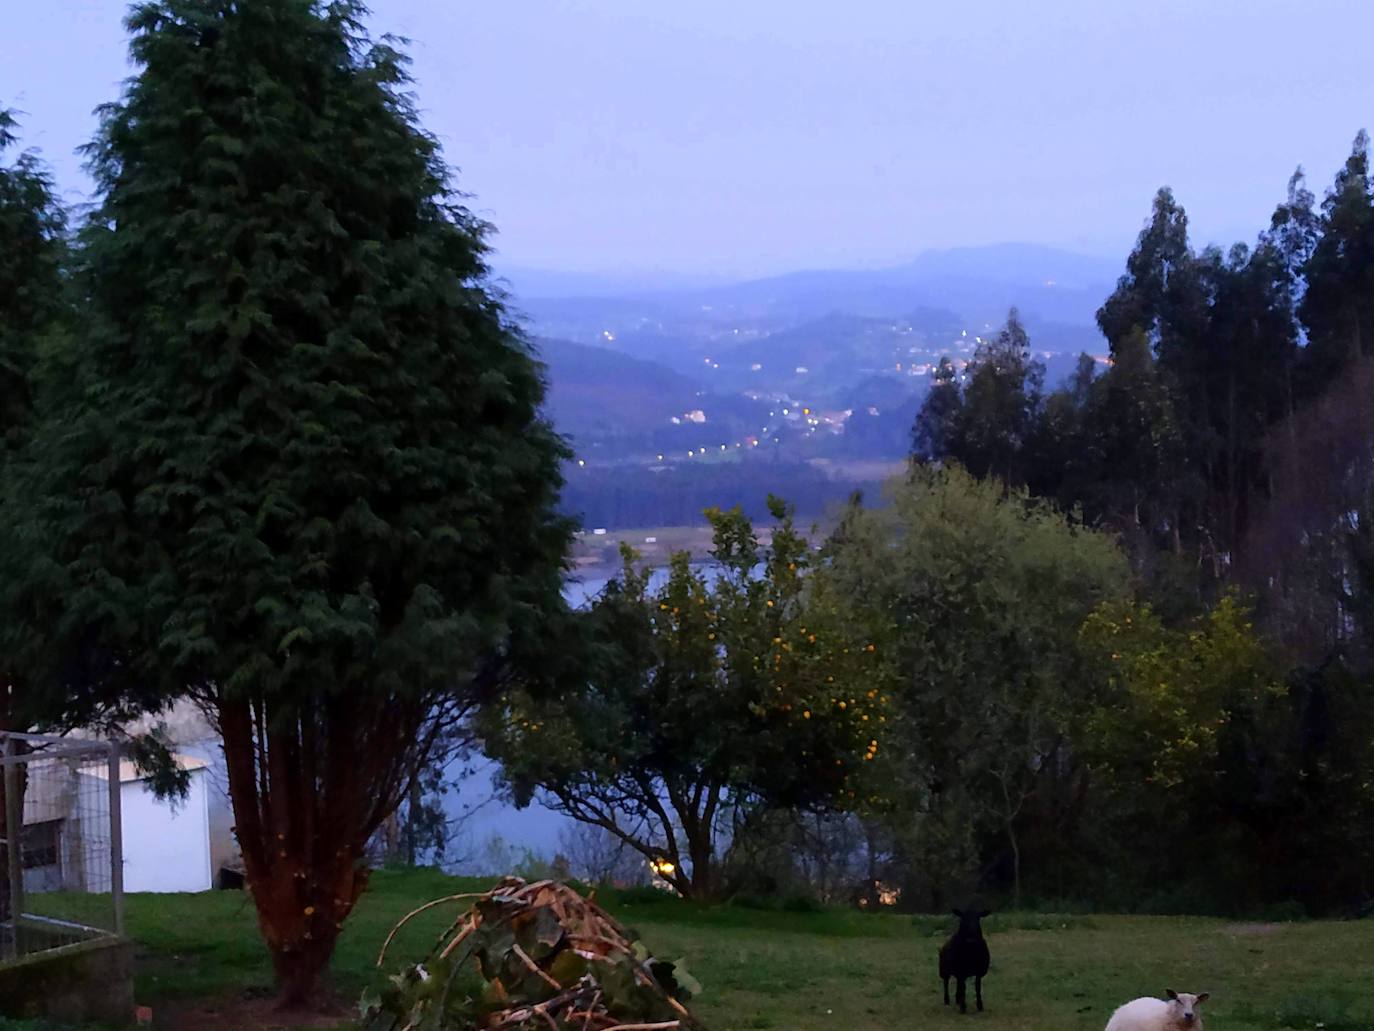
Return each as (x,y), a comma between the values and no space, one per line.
(601,857)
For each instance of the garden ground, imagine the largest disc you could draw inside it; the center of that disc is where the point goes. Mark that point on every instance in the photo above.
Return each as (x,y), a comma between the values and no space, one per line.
(202,966)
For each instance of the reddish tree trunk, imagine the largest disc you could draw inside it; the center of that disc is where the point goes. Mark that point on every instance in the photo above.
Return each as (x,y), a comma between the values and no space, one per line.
(309,787)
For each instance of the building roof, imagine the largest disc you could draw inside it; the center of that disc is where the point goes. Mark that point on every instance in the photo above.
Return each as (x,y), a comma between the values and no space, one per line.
(128,772)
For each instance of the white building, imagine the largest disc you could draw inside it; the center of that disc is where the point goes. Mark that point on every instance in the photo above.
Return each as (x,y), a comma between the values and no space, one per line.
(193,736)
(166,844)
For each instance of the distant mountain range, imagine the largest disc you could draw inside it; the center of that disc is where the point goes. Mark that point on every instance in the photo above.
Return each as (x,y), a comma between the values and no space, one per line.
(979,284)
(1005,263)
(642,364)
(526,282)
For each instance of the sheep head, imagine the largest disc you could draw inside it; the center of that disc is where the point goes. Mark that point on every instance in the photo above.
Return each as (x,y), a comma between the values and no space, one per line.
(970,921)
(1183,1008)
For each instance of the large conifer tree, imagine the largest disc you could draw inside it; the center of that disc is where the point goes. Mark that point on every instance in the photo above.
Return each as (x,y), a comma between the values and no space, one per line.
(299,471)
(32,228)
(32,248)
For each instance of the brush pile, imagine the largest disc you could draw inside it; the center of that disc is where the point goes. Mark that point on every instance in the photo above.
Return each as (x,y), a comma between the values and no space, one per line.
(532,957)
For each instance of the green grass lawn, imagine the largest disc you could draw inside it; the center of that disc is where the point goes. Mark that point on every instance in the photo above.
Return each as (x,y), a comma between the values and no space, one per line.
(838,969)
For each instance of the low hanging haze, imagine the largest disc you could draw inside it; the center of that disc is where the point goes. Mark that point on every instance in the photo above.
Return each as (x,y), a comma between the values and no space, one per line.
(744,137)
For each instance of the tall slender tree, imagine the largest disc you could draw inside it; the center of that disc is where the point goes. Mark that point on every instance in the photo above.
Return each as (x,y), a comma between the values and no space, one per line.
(1002,400)
(1220,327)
(1291,237)
(937,423)
(988,422)
(1141,298)
(1141,487)
(298,472)
(1338,306)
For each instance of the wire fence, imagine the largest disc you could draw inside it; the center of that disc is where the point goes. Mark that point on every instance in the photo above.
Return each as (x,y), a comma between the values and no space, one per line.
(61,852)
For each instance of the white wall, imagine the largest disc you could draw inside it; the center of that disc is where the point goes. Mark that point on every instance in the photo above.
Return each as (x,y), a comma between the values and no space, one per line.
(194,735)
(166,847)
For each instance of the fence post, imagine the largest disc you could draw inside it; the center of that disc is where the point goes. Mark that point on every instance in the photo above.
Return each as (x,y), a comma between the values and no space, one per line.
(14,836)
(116,842)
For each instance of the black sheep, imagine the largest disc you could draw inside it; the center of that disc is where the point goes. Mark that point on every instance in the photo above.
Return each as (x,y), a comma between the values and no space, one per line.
(965,955)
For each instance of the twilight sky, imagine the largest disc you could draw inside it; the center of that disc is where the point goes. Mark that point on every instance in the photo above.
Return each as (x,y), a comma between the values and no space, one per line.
(755,136)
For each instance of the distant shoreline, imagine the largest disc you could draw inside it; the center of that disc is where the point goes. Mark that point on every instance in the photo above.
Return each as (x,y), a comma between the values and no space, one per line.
(597,555)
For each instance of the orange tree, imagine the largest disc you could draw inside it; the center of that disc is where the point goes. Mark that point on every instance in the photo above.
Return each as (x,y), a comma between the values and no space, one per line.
(706,691)
(1198,739)
(1169,693)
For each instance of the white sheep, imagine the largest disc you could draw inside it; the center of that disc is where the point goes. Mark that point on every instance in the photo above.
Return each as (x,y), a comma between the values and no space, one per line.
(1179,1013)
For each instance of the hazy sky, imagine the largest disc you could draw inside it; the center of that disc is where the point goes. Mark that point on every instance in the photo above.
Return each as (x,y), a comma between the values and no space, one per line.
(750,136)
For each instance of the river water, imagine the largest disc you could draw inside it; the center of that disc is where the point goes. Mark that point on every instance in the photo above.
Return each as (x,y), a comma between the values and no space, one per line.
(489,834)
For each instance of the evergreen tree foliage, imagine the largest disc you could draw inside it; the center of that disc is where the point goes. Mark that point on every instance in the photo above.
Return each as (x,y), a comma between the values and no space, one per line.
(32,249)
(297,471)
(32,300)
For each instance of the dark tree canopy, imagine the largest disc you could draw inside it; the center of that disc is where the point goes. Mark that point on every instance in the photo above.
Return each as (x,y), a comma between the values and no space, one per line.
(1141,299)
(32,247)
(986,420)
(298,470)
(936,432)
(32,300)
(1227,444)
(1203,354)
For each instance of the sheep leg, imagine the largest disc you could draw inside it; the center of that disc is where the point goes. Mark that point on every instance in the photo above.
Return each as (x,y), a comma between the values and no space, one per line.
(978,991)
(961,996)
(946,979)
